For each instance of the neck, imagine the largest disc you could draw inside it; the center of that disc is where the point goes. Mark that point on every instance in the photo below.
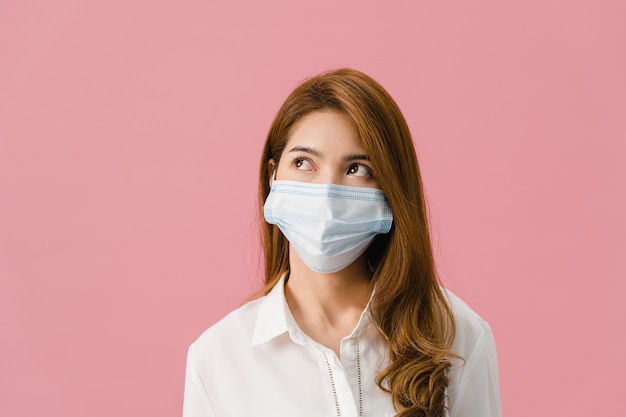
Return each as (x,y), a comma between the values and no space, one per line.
(327,307)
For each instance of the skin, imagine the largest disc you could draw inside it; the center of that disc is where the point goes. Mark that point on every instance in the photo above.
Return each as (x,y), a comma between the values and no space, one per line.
(324,147)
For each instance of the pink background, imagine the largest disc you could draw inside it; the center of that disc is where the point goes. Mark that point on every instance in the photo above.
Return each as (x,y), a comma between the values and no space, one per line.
(130,133)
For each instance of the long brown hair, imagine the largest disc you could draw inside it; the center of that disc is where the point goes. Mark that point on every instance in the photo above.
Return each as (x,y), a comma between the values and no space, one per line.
(408,305)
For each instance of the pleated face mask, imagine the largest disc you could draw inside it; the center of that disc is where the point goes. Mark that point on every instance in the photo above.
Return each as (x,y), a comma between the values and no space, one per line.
(328,225)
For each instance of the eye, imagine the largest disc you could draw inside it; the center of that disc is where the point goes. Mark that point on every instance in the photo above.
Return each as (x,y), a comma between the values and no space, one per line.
(359,170)
(303,164)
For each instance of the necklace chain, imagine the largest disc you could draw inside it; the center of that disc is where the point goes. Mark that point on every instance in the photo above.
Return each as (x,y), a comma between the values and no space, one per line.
(358,378)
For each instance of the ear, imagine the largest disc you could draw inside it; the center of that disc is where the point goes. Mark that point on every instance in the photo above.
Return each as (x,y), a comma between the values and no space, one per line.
(271,168)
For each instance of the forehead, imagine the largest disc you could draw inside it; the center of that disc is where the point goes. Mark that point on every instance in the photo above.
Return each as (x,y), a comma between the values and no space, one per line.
(325,129)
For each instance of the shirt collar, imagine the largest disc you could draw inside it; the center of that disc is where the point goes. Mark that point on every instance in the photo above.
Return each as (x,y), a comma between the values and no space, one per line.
(274,318)
(271,320)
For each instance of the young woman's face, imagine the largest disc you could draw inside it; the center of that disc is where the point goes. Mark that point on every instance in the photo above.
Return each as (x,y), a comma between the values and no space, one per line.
(324,148)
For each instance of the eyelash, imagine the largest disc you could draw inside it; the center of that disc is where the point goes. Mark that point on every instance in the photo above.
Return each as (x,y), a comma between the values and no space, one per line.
(359,166)
(297,160)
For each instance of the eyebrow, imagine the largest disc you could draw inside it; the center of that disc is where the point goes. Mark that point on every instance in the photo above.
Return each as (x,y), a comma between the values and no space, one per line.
(315,152)
(307,149)
(355,157)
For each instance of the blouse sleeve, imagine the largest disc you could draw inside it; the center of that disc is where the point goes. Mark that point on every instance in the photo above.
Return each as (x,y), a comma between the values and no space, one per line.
(196,401)
(475,385)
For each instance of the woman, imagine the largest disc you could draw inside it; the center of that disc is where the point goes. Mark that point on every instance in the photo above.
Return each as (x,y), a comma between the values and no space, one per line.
(352,320)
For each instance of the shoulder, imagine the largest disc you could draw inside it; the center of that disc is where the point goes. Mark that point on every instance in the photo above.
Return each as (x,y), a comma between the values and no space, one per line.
(471,329)
(473,388)
(234,329)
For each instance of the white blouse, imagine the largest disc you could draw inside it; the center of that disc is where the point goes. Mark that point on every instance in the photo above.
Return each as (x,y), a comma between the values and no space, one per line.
(256,362)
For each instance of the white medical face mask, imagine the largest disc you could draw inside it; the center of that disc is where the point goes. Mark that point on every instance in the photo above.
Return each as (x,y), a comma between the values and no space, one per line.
(328,225)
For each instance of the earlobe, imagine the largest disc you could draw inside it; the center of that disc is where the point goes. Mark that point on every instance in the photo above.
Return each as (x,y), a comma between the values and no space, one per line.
(271,169)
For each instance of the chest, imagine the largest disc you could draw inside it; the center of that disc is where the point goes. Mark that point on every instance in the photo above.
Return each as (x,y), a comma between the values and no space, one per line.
(286,379)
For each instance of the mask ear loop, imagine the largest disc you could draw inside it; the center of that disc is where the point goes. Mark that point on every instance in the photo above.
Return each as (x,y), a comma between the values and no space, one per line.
(273,178)
(272,164)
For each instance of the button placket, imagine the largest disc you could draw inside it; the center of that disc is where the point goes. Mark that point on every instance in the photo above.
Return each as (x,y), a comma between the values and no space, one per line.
(345,403)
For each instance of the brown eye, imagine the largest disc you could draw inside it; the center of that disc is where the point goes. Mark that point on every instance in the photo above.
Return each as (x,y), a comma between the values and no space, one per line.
(303,164)
(359,170)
